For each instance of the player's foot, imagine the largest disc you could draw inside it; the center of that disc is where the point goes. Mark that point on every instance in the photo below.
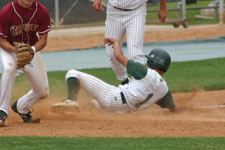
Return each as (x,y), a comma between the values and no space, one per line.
(3,117)
(27,118)
(67,105)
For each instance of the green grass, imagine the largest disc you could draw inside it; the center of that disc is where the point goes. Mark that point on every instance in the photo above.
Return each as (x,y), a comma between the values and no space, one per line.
(91,143)
(192,13)
(205,74)
(177,15)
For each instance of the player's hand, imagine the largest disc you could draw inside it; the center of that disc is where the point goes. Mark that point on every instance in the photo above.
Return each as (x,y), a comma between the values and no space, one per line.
(109,41)
(118,53)
(162,15)
(97,5)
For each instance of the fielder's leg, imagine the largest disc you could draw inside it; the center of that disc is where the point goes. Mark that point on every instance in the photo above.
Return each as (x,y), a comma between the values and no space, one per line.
(7,81)
(115,29)
(37,76)
(135,34)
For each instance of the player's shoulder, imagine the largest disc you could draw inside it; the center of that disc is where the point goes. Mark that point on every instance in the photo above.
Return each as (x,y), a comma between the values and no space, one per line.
(42,8)
(156,78)
(6,11)
(7,8)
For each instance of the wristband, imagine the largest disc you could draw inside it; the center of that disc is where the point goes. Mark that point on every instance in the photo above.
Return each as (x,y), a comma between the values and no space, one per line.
(33,48)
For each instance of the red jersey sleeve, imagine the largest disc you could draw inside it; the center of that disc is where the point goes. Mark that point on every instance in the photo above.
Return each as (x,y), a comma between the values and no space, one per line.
(5,21)
(45,25)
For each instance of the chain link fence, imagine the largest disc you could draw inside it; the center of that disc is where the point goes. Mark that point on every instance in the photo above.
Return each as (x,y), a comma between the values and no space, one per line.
(67,13)
(73,12)
(185,12)
(206,12)
(174,13)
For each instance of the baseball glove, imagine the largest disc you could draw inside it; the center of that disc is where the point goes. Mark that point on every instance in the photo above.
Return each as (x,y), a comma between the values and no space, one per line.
(24,54)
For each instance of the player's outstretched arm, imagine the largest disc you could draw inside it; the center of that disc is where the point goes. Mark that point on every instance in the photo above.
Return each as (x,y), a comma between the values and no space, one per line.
(117,50)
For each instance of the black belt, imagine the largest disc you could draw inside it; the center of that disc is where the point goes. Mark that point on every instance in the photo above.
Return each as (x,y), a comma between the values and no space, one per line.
(124,101)
(123,9)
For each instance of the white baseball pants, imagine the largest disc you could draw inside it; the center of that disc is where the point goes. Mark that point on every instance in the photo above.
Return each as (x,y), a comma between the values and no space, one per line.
(36,74)
(108,96)
(132,23)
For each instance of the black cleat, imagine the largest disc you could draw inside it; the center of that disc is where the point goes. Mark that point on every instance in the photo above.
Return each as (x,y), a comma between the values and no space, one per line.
(26,117)
(3,117)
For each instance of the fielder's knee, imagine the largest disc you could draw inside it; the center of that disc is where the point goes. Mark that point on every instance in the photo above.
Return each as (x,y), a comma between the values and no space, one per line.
(71,73)
(10,70)
(44,93)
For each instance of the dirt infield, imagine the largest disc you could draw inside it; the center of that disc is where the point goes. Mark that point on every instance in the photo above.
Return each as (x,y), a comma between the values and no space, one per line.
(155,122)
(70,41)
(192,121)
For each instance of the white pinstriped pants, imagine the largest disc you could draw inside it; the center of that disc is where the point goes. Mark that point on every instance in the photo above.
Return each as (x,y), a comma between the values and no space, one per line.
(36,74)
(132,23)
(108,96)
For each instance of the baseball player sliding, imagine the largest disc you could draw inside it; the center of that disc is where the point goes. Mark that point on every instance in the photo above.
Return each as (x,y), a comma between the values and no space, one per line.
(127,16)
(146,87)
(123,16)
(20,21)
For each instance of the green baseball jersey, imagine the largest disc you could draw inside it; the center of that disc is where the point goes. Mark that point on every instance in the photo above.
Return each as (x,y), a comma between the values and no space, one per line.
(146,88)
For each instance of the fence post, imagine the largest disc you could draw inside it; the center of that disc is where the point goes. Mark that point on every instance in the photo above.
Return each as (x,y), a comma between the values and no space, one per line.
(221,11)
(57,13)
(183,10)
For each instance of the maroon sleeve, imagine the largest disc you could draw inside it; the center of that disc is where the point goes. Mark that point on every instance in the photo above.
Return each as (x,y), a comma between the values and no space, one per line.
(5,21)
(45,25)
(1,33)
